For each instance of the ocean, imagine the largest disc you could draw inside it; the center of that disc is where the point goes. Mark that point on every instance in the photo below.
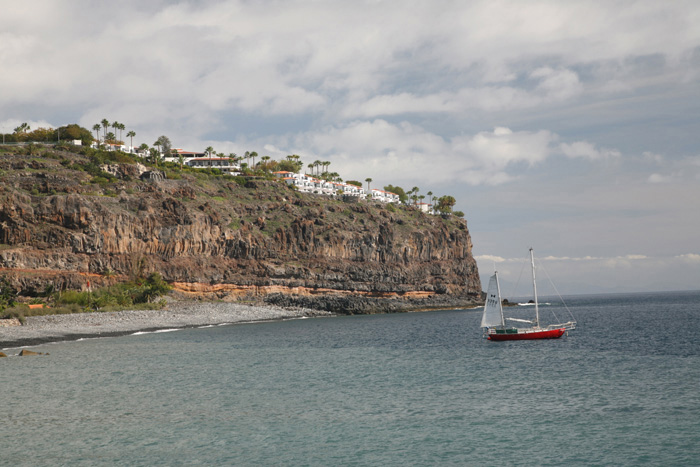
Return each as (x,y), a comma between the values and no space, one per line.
(389,390)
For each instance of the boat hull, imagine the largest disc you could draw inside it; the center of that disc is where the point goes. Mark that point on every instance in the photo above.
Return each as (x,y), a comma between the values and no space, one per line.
(528,334)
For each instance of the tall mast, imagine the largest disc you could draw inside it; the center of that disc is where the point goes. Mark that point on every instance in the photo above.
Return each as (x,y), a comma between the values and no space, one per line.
(500,300)
(534,289)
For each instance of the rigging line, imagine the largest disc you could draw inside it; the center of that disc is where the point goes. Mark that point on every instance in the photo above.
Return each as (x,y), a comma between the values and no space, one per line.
(515,289)
(558,294)
(541,266)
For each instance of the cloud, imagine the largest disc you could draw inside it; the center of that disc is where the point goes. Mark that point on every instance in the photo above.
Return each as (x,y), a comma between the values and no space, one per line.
(587,150)
(557,84)
(409,152)
(692,258)
(9,125)
(631,257)
(552,86)
(489,258)
(625,273)
(334,60)
(658,178)
(657,159)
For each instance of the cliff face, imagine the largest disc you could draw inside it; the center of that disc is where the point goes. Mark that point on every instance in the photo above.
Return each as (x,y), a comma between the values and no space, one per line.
(210,236)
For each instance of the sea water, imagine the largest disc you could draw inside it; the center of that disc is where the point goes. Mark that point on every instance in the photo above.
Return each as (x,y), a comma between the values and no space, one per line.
(401,389)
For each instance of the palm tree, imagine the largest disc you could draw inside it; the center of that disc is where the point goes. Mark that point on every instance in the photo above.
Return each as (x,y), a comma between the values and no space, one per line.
(96,128)
(368,180)
(311,168)
(105,124)
(325,165)
(122,127)
(209,151)
(115,125)
(131,135)
(415,191)
(430,194)
(265,159)
(155,155)
(253,155)
(317,163)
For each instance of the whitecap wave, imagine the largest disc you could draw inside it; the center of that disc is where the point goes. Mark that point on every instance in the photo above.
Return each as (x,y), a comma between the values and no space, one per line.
(139,333)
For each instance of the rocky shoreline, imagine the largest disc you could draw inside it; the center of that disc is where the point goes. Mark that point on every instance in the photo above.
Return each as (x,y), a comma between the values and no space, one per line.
(53,328)
(180,314)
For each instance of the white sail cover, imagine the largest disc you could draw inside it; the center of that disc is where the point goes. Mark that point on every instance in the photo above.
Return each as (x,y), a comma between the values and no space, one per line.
(493,312)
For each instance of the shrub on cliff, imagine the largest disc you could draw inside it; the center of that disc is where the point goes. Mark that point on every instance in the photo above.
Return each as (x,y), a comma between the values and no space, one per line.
(140,293)
(7,294)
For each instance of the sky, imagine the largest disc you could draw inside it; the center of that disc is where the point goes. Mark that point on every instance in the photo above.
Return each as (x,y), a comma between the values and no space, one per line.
(570,127)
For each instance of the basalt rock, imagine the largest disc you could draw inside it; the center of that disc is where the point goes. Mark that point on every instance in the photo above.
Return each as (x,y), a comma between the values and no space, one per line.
(211,238)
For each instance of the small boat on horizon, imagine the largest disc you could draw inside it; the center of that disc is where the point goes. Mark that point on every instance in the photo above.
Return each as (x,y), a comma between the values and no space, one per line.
(494,323)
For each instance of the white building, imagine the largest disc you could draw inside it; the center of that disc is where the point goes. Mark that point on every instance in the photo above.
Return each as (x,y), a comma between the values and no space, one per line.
(384,196)
(425,207)
(309,184)
(224,164)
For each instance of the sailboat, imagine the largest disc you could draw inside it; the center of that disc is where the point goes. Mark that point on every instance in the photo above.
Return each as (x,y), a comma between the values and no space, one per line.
(494,323)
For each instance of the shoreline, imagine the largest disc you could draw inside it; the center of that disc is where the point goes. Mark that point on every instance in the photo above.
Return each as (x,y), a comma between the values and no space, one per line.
(40,330)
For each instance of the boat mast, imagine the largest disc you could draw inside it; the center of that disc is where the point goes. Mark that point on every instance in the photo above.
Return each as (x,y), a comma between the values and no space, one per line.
(500,300)
(534,289)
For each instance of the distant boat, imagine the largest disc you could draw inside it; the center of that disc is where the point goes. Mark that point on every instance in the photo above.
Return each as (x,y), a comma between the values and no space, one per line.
(494,323)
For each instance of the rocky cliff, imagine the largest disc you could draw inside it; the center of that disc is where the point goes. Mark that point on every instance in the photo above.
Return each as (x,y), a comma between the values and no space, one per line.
(67,218)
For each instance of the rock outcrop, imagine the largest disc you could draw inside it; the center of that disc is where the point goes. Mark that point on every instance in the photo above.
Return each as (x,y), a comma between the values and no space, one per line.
(214,238)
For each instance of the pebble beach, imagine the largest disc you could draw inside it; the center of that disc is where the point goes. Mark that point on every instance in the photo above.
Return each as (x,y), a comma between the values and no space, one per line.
(52,328)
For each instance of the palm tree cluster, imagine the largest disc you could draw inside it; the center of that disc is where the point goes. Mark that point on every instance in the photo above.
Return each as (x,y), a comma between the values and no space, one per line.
(316,164)
(111,137)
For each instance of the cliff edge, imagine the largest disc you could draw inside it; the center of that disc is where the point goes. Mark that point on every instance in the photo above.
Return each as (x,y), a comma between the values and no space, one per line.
(68,219)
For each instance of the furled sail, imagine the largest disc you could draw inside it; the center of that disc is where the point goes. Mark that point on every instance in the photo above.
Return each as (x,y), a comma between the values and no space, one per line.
(521,320)
(493,312)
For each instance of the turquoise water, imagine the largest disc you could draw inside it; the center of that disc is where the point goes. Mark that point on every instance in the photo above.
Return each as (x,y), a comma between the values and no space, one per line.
(404,389)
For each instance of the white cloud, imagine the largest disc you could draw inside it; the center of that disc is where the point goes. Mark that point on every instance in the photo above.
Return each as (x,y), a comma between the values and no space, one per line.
(658,178)
(557,84)
(494,151)
(690,258)
(587,150)
(626,273)
(408,152)
(657,159)
(489,258)
(9,125)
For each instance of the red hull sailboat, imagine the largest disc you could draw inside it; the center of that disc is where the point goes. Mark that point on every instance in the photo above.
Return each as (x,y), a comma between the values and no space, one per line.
(515,334)
(494,325)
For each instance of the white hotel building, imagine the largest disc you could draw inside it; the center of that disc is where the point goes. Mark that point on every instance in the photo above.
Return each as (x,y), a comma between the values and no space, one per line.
(312,185)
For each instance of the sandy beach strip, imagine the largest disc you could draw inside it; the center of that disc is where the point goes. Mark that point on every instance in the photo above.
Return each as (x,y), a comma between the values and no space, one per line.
(52,328)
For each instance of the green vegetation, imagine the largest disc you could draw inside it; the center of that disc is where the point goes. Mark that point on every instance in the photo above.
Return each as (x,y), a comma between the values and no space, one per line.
(398,191)
(141,294)
(445,204)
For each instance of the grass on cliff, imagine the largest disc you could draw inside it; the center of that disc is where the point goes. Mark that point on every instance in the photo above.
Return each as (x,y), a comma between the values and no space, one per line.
(139,294)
